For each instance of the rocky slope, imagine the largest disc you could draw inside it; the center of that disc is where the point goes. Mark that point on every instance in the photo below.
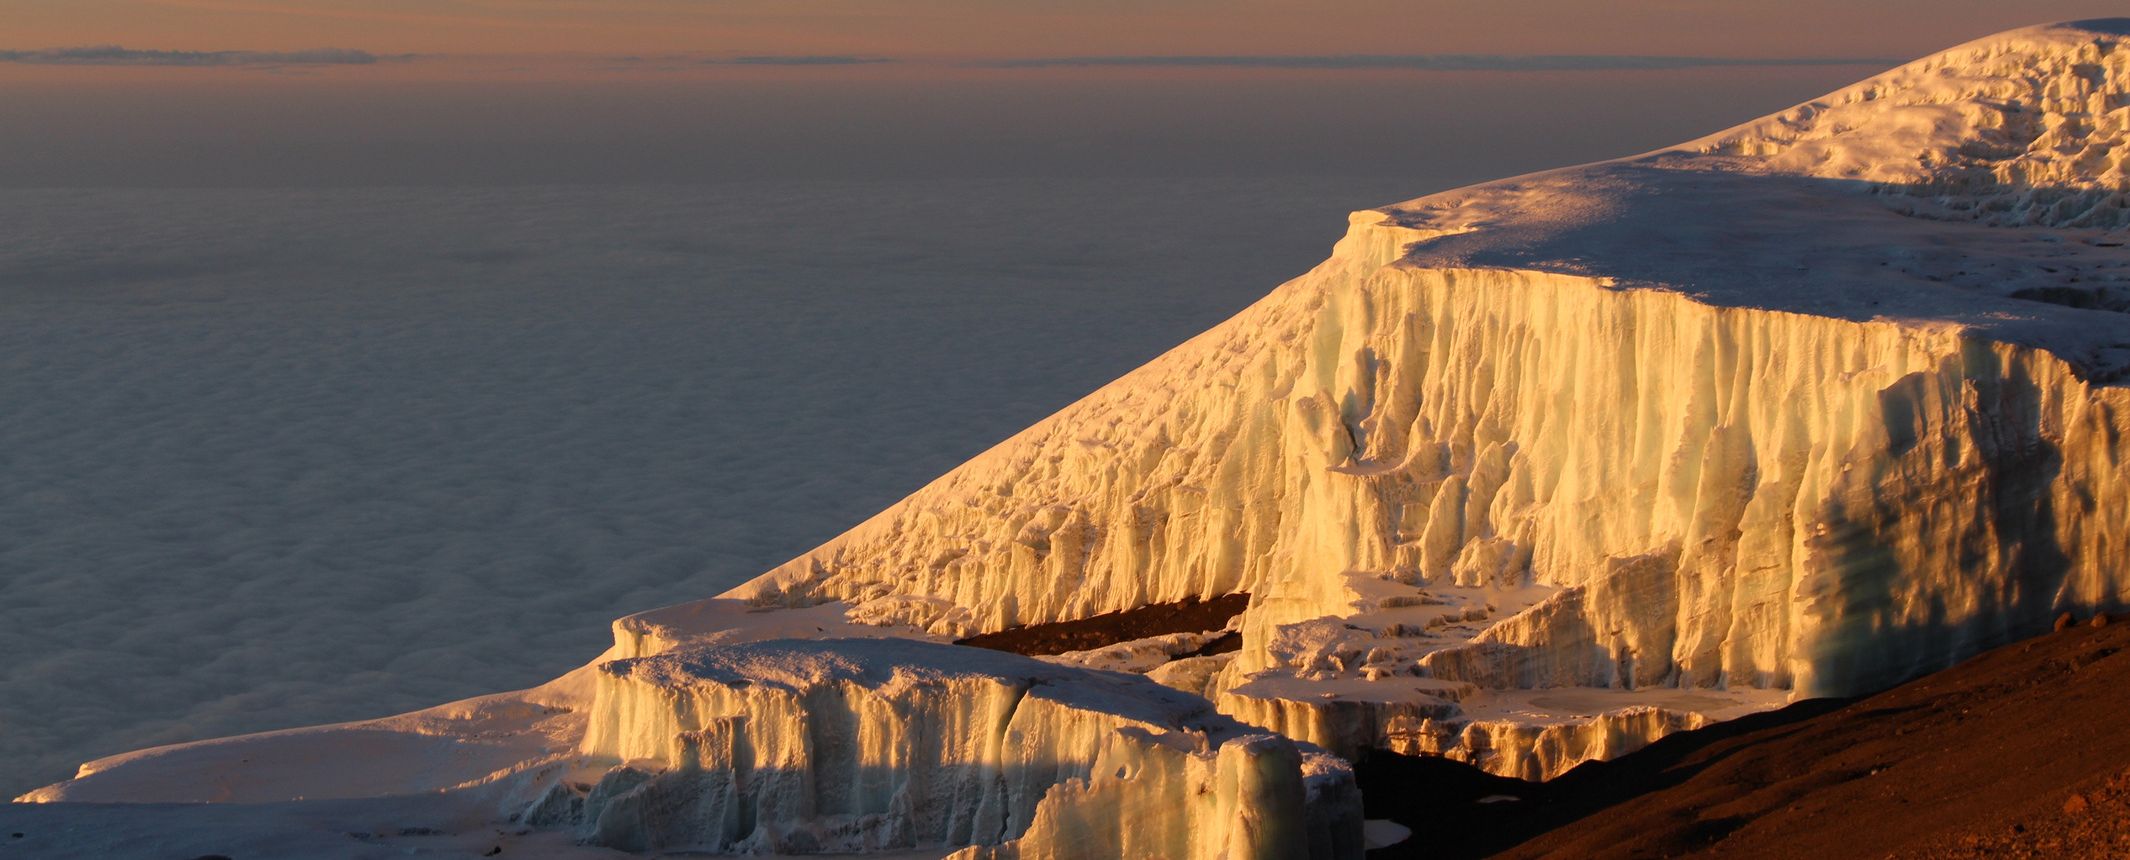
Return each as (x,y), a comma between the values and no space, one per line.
(1994,757)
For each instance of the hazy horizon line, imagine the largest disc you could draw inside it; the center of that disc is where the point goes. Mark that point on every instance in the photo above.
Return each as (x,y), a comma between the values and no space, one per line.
(1433,62)
(117,55)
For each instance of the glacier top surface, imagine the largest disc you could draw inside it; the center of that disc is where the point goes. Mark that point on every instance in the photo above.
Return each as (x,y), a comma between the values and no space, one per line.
(2109,26)
(801,666)
(1983,187)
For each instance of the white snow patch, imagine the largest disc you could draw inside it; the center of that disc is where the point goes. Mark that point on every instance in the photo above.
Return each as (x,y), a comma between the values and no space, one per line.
(1383,833)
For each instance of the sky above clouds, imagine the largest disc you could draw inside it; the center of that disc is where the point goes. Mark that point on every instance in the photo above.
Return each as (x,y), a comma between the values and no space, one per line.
(418,92)
(1024,30)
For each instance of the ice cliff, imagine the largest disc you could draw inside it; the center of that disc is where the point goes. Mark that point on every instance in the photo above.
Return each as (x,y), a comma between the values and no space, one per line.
(1727,420)
(1526,474)
(846,745)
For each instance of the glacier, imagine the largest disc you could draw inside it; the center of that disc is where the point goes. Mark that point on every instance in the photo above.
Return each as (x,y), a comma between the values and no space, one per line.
(805,746)
(1731,419)
(1526,474)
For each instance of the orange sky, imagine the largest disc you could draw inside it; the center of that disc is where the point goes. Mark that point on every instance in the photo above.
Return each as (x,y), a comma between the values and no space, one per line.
(1032,28)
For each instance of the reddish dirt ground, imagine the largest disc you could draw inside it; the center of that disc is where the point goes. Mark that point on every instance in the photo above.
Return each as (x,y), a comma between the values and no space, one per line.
(2019,752)
(1190,616)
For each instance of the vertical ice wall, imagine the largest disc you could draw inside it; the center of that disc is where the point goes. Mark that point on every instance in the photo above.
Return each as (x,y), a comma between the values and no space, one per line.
(1840,503)
(1720,419)
(1525,474)
(853,745)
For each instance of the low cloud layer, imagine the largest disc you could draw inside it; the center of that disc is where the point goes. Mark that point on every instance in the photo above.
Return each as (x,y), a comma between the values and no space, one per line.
(314,456)
(1434,62)
(806,60)
(684,62)
(114,55)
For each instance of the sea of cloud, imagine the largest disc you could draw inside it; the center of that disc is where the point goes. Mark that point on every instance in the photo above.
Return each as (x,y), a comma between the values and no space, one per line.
(271,458)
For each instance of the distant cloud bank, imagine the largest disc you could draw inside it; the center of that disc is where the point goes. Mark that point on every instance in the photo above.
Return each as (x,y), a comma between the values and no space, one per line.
(807,60)
(683,62)
(1436,62)
(113,55)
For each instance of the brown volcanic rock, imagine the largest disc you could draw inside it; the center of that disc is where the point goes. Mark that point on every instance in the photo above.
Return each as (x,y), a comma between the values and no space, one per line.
(1980,760)
(1189,616)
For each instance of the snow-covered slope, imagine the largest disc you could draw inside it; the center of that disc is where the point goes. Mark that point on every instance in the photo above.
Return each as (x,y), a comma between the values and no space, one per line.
(1526,474)
(1717,420)
(2012,130)
(776,746)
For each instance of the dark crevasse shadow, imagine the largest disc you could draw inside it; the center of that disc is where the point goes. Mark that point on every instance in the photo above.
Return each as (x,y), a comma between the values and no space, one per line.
(2111,26)
(2105,297)
(1110,628)
(1962,466)
(1458,811)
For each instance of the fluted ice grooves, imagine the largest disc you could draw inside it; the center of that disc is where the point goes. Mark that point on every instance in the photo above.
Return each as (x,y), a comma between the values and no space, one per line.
(849,745)
(1818,465)
(1829,488)
(1526,474)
